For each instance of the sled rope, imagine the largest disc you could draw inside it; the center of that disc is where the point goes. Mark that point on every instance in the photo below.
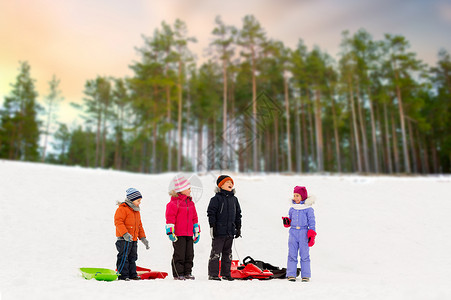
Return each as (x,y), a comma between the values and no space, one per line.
(124,256)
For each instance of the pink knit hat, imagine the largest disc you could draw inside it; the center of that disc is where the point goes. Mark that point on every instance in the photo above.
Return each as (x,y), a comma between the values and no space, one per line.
(181,183)
(301,190)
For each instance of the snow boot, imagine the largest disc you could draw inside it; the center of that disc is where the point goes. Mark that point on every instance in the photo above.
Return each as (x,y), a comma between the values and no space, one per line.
(228,278)
(214,278)
(305,279)
(291,278)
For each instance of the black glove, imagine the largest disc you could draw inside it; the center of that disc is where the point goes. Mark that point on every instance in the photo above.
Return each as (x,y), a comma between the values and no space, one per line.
(238,233)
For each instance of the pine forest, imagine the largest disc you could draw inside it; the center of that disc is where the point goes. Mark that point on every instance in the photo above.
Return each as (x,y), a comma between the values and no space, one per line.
(252,105)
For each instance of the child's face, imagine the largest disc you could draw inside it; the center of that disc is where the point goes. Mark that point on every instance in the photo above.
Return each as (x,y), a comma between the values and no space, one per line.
(228,185)
(137,202)
(186,192)
(297,198)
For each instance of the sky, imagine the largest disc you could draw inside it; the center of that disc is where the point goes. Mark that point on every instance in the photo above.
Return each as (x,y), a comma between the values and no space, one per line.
(78,40)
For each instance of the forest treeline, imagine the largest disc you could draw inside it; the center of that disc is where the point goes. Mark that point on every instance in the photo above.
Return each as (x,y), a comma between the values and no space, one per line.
(253,105)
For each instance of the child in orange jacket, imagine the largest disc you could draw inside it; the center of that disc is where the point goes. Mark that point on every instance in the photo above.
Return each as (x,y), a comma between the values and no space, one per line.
(127,220)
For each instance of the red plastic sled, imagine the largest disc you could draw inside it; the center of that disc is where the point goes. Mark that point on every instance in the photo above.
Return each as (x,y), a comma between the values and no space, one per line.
(148,274)
(248,271)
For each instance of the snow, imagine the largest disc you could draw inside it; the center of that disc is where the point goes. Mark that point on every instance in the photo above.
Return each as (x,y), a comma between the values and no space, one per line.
(378,237)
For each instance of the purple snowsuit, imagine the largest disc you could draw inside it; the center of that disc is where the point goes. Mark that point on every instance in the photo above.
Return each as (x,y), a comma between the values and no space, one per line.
(302,219)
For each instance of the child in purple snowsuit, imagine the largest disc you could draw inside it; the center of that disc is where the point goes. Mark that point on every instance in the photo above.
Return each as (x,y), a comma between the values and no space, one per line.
(301,220)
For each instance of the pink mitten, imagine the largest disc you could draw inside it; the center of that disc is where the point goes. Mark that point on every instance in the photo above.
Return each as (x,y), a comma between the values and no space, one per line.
(311,234)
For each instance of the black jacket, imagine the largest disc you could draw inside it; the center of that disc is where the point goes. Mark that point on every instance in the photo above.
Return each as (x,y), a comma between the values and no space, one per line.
(224,213)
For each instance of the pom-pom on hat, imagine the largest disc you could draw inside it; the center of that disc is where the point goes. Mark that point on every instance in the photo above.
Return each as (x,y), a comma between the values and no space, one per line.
(301,190)
(133,194)
(181,183)
(222,179)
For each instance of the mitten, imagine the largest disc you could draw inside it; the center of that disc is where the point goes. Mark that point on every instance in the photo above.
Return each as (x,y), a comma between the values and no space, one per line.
(196,231)
(286,221)
(146,243)
(128,237)
(170,232)
(311,237)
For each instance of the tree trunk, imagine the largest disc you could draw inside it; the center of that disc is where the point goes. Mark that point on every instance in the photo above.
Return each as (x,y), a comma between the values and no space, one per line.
(287,112)
(200,135)
(373,133)
(354,125)
(412,147)
(224,114)
(179,119)
(366,159)
(298,136)
(254,113)
(434,156)
(395,145)
(336,136)
(102,157)
(319,132)
(387,141)
(47,128)
(99,122)
(303,116)
(403,126)
(311,128)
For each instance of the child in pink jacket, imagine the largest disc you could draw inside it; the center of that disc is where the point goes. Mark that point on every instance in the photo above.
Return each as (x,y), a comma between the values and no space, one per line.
(182,228)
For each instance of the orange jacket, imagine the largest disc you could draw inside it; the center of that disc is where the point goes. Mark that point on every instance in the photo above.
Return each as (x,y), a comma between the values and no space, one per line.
(128,220)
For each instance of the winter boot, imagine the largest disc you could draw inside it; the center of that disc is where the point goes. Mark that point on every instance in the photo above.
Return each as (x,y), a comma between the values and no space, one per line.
(305,279)
(291,278)
(228,278)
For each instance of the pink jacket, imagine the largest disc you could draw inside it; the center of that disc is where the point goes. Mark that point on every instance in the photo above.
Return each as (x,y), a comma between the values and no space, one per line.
(181,212)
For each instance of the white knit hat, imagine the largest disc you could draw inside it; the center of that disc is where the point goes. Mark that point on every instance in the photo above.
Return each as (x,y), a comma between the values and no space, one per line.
(181,183)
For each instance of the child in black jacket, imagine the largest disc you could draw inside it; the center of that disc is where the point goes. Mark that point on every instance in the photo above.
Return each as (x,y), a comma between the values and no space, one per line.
(224,216)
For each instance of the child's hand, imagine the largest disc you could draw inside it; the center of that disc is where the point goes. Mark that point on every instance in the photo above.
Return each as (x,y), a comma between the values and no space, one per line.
(311,234)
(170,232)
(172,237)
(238,233)
(286,222)
(146,243)
(196,231)
(128,237)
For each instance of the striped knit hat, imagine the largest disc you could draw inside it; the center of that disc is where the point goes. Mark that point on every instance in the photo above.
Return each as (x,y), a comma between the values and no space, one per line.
(181,183)
(133,194)
(222,179)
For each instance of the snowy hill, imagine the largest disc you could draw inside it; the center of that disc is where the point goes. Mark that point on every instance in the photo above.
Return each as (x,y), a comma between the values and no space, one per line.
(378,237)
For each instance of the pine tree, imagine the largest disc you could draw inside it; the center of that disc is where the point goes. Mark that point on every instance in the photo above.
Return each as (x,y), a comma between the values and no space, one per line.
(52,100)
(19,123)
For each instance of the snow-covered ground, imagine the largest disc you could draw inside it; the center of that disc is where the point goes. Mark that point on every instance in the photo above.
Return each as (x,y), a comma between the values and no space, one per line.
(378,237)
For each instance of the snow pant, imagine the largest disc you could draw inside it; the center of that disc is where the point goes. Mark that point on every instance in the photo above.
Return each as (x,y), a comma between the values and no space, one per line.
(221,247)
(126,258)
(298,244)
(182,259)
